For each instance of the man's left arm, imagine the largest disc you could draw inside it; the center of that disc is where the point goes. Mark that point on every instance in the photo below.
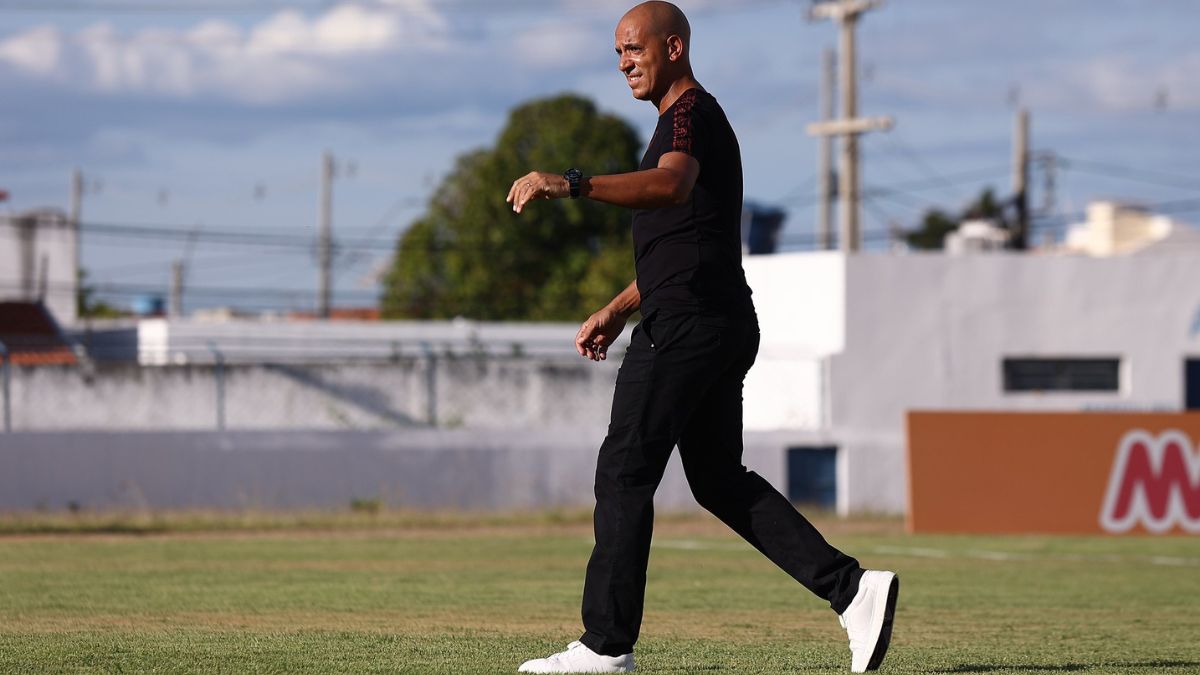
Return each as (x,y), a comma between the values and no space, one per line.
(667,184)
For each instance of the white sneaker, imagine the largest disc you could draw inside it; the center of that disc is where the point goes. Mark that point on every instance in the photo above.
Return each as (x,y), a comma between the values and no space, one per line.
(579,659)
(868,619)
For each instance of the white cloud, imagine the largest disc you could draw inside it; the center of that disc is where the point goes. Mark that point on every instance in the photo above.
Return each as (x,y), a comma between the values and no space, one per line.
(38,51)
(287,57)
(557,43)
(1124,83)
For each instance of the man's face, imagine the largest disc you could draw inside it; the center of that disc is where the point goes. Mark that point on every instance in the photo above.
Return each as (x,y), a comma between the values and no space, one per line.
(643,58)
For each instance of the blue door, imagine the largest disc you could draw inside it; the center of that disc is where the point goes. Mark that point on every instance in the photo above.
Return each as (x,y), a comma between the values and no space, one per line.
(1191,385)
(812,476)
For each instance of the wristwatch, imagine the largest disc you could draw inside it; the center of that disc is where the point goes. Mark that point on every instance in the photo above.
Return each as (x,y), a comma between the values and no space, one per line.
(573,176)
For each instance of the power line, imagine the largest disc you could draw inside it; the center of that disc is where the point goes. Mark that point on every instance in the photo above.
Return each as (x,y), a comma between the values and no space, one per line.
(369,241)
(902,198)
(210,291)
(886,220)
(1149,176)
(156,266)
(286,243)
(579,7)
(898,148)
(942,181)
(144,7)
(1170,207)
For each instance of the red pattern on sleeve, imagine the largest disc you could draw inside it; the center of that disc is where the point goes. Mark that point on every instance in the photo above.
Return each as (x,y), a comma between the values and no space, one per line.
(682,123)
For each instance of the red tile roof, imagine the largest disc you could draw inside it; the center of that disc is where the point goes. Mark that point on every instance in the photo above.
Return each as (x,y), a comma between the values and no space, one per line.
(341,314)
(31,336)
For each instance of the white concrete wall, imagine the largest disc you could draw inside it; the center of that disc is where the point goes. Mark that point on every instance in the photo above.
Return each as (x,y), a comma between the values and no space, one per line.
(54,247)
(801,310)
(929,331)
(183,341)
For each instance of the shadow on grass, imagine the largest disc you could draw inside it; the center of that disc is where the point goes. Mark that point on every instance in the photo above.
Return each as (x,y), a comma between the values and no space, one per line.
(1062,667)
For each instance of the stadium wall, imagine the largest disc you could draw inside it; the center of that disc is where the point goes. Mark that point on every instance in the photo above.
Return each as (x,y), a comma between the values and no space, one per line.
(459,392)
(426,469)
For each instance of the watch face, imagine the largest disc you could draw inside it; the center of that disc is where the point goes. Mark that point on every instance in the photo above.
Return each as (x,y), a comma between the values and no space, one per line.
(573,176)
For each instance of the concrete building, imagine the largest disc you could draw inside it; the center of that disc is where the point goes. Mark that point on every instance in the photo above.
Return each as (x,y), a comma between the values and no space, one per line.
(1118,228)
(39,261)
(851,344)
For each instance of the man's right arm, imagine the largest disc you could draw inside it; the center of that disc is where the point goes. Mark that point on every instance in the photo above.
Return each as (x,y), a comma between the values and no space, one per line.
(603,328)
(667,184)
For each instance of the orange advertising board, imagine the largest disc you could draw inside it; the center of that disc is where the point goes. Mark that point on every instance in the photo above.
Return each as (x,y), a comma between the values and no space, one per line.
(1103,473)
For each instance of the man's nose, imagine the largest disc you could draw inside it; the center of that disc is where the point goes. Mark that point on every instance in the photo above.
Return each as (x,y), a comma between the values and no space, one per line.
(624,64)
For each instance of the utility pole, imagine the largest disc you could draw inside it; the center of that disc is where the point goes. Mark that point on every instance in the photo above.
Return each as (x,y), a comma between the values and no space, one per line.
(74,212)
(43,282)
(849,125)
(325,234)
(1019,240)
(825,154)
(175,304)
(1048,161)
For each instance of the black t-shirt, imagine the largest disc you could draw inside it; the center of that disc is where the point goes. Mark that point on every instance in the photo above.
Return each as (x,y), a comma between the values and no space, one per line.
(689,257)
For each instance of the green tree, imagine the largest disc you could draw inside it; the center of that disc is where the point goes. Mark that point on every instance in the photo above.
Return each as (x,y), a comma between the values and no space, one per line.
(87,306)
(936,223)
(470,255)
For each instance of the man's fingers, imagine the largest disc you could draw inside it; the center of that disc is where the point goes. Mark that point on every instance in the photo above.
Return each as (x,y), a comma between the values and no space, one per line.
(530,187)
(581,339)
(514,192)
(522,198)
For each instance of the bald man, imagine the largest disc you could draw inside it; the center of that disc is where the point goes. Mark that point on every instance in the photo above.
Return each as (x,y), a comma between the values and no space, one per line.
(680,382)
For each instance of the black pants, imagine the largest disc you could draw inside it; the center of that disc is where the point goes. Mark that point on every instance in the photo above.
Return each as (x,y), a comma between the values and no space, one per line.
(681,383)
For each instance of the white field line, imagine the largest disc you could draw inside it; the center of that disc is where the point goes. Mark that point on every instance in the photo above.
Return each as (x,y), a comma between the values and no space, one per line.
(970,554)
(693,545)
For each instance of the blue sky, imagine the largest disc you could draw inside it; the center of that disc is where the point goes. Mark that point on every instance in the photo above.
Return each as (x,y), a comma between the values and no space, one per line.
(211,115)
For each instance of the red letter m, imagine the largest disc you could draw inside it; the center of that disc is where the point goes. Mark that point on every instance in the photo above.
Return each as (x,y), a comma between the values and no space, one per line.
(1154,482)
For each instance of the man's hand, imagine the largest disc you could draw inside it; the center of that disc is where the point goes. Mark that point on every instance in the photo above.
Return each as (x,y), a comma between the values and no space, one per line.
(599,332)
(537,185)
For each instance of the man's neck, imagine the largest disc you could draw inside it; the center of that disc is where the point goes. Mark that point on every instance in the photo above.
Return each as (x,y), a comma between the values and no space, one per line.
(675,91)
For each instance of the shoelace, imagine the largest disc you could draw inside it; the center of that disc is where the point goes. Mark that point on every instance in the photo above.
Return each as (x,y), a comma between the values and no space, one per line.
(562,655)
(853,643)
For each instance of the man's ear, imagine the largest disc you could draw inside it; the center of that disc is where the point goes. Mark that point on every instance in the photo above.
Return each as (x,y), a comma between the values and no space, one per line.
(674,47)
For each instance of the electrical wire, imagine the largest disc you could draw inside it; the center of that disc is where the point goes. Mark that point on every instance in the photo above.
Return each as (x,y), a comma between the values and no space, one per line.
(1148,176)
(893,145)
(144,7)
(579,7)
(210,291)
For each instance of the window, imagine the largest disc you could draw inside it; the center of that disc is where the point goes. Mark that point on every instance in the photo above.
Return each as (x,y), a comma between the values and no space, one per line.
(1062,374)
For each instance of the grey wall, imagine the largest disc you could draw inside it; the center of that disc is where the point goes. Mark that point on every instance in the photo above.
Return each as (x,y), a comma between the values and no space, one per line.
(461,392)
(262,469)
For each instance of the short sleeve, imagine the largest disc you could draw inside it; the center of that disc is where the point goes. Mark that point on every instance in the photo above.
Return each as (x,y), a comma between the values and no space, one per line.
(688,129)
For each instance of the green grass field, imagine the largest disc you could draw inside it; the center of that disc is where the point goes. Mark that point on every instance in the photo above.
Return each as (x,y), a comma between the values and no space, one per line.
(384,593)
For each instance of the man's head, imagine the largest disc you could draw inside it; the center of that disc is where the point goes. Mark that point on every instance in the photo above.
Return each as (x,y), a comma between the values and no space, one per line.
(652,43)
